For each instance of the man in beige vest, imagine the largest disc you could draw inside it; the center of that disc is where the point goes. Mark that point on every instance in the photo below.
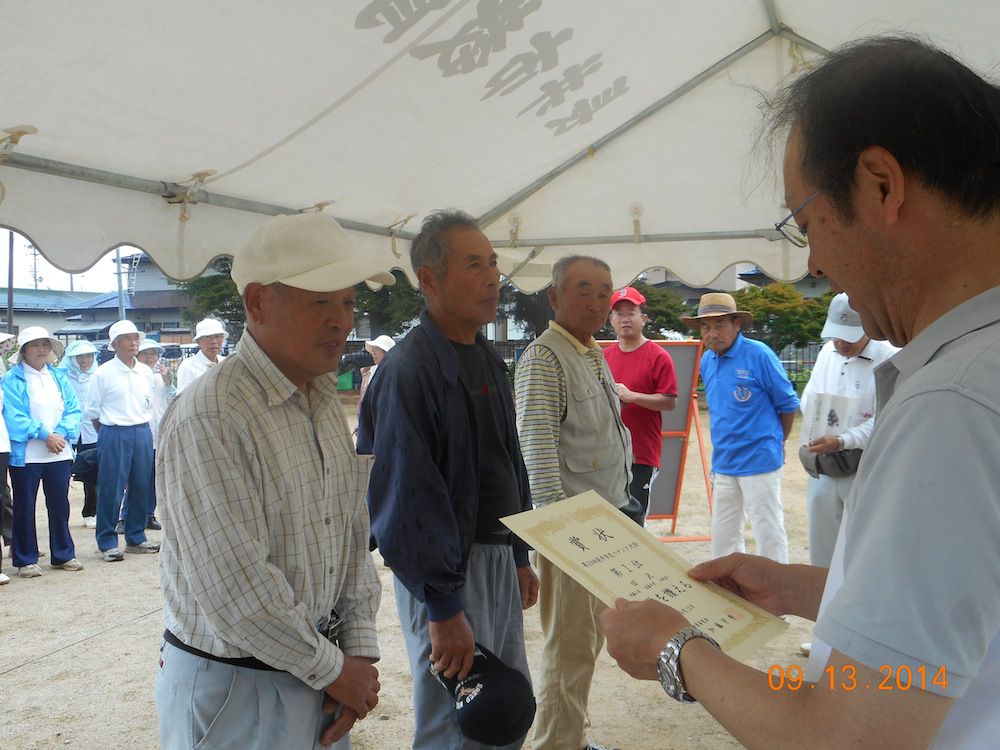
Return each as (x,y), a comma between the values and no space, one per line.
(572,440)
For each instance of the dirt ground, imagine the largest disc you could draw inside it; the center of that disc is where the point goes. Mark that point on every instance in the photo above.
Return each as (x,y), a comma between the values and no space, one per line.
(78,651)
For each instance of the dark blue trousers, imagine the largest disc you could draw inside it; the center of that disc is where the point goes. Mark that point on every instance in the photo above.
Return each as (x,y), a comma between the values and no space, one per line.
(125,456)
(54,478)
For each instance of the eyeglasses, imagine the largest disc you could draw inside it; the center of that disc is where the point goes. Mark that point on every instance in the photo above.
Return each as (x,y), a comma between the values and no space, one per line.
(789,230)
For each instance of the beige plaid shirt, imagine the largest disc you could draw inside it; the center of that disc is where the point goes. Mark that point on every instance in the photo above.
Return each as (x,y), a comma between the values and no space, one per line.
(265,526)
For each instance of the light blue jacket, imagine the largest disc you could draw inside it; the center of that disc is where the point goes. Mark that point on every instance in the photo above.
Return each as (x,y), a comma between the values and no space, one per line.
(17,412)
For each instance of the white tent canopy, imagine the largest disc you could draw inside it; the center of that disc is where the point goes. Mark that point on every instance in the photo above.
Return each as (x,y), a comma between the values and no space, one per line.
(618,129)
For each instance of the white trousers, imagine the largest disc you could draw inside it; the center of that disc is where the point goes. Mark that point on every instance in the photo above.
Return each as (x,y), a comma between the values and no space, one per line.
(826,496)
(757,497)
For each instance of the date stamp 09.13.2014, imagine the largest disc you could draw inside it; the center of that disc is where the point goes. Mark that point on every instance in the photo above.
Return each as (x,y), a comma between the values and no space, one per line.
(845,678)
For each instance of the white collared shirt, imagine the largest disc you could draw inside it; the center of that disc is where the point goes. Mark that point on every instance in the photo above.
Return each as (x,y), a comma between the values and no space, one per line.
(193,368)
(120,395)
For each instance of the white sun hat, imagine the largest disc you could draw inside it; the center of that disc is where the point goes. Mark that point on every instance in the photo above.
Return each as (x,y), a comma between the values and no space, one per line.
(210,327)
(121,328)
(35,333)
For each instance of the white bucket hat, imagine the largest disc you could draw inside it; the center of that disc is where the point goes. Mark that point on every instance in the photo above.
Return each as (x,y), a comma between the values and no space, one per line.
(307,251)
(121,328)
(383,342)
(210,327)
(35,333)
(842,322)
(80,346)
(151,344)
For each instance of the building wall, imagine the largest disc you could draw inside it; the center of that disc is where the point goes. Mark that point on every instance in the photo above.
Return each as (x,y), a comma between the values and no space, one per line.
(22,319)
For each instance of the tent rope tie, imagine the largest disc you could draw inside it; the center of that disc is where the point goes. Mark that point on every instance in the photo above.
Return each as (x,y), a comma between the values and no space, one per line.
(197,180)
(7,144)
(515,228)
(317,208)
(394,230)
(636,210)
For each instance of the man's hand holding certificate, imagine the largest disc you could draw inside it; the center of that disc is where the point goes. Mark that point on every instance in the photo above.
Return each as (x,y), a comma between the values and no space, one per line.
(613,558)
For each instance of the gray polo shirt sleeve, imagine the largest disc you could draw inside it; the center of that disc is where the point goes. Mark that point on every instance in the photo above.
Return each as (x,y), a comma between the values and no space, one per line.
(922,565)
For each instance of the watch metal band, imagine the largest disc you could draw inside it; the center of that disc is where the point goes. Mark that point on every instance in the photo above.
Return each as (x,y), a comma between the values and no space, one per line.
(668,667)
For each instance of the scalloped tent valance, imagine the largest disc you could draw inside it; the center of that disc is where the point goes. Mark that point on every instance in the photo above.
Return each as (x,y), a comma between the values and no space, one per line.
(623,130)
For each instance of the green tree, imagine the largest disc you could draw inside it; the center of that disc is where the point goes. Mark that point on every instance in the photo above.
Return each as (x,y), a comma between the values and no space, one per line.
(215,296)
(391,308)
(782,316)
(532,311)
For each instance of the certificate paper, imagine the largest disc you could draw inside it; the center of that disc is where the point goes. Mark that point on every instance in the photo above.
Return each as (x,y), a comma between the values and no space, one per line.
(611,556)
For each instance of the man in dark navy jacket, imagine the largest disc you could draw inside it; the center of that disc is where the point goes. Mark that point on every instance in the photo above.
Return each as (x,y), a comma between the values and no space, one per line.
(439,418)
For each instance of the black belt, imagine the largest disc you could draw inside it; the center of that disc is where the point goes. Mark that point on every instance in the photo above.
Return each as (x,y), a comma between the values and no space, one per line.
(246,661)
(494,537)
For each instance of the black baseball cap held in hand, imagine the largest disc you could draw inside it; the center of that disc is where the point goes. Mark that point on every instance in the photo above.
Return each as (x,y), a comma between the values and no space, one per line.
(494,703)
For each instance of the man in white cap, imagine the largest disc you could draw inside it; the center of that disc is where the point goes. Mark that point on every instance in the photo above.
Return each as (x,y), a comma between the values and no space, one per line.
(378,348)
(845,366)
(210,335)
(120,408)
(752,404)
(270,589)
(162,394)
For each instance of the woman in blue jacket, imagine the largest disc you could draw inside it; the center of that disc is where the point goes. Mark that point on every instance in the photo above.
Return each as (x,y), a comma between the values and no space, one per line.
(42,416)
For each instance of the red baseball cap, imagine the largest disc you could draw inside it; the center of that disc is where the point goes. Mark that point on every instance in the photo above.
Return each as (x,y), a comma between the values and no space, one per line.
(628,294)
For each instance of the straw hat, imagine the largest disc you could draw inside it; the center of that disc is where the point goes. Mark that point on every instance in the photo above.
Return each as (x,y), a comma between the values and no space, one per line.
(715,305)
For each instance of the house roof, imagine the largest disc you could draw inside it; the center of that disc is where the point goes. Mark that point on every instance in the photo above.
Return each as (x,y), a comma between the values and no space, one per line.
(77,327)
(138,300)
(46,300)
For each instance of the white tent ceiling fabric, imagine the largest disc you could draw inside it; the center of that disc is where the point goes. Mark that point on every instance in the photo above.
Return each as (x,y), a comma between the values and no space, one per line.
(565,118)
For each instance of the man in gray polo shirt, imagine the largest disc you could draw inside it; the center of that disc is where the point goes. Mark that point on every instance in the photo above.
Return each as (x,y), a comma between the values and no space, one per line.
(892,165)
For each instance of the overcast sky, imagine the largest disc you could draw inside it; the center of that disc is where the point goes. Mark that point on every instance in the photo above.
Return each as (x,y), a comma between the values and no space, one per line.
(100,277)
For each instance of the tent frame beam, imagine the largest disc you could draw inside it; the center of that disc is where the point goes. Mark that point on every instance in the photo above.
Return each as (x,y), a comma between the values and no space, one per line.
(173,192)
(520,196)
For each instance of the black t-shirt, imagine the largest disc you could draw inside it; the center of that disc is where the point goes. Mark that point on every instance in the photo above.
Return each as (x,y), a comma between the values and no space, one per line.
(498,486)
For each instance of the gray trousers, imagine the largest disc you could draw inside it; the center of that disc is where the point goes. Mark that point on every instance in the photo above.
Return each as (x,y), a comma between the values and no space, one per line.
(826,496)
(493,609)
(208,705)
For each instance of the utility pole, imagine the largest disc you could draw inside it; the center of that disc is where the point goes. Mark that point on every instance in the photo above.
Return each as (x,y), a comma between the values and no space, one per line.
(10,283)
(121,293)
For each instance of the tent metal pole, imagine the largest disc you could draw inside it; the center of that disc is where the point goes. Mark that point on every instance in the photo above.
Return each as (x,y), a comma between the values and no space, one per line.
(172,191)
(629,239)
(772,17)
(495,213)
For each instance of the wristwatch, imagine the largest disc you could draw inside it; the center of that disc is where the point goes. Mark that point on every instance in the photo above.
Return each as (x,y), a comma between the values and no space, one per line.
(668,667)
(840,442)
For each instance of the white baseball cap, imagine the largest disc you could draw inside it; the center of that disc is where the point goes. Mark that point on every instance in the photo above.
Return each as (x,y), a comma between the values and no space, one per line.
(35,333)
(308,251)
(383,342)
(121,328)
(842,322)
(210,327)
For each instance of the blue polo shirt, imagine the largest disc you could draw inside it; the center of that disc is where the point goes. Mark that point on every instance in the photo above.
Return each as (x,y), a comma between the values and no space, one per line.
(746,389)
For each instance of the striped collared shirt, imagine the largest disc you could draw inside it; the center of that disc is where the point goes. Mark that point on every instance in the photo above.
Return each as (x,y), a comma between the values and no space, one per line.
(265,527)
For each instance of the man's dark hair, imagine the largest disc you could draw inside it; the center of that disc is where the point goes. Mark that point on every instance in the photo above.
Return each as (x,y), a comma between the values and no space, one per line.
(430,247)
(939,119)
